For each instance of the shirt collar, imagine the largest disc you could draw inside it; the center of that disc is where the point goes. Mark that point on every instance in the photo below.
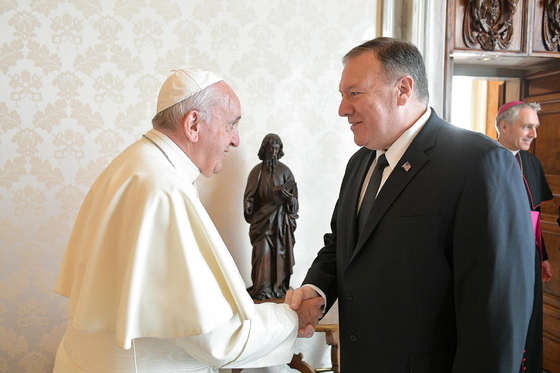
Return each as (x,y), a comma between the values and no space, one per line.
(396,151)
(182,163)
(514,152)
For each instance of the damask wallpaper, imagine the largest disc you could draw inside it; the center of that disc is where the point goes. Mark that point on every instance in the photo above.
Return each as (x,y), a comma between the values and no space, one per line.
(79,82)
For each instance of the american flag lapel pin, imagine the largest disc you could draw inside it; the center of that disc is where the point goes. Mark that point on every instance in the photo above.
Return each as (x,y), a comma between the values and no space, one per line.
(406,166)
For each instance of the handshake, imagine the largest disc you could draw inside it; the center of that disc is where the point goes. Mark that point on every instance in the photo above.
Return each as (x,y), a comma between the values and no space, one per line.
(309,306)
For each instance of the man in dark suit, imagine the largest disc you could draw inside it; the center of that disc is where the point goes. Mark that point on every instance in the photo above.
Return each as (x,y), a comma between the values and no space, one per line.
(517,124)
(437,277)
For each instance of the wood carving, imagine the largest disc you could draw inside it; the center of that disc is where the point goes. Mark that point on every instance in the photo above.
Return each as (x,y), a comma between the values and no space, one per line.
(271,207)
(489,22)
(298,364)
(551,24)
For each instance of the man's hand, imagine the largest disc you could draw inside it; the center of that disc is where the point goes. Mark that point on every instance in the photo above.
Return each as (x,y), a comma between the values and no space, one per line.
(547,271)
(295,297)
(309,306)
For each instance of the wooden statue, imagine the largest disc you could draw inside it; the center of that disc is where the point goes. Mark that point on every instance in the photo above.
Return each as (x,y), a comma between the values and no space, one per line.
(271,207)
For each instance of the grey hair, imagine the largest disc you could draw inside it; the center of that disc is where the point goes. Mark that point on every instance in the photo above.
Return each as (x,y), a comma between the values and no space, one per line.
(202,101)
(511,114)
(398,58)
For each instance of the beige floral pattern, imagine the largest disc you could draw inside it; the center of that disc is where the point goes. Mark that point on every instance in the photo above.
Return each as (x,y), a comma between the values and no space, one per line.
(80,81)
(67,28)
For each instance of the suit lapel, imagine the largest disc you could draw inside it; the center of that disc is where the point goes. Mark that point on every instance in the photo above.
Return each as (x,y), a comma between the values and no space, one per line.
(400,177)
(354,196)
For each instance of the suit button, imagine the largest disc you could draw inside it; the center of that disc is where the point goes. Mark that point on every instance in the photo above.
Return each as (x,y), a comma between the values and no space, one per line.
(349,296)
(352,337)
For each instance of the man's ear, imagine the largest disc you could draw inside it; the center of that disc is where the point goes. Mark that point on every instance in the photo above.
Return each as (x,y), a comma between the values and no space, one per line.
(503,126)
(405,88)
(191,125)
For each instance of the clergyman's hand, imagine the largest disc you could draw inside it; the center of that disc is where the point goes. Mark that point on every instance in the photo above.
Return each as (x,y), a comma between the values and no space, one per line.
(547,271)
(309,306)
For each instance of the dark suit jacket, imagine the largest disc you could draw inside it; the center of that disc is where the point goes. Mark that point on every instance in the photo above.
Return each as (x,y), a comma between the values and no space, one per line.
(441,279)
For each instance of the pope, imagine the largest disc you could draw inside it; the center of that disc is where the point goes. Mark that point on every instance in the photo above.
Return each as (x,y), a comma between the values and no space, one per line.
(151,284)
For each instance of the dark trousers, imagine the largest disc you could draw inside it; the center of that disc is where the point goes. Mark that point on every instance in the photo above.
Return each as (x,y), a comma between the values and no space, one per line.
(534,345)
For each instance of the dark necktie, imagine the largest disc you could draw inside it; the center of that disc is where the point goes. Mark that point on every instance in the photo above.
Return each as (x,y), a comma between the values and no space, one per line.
(371,192)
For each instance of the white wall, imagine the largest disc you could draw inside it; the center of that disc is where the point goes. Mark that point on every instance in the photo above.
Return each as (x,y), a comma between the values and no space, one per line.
(79,83)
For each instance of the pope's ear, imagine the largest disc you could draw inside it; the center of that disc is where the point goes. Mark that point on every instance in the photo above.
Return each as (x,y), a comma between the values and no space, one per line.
(191,125)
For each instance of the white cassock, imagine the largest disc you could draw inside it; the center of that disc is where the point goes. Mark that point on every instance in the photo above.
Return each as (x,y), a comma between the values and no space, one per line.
(151,285)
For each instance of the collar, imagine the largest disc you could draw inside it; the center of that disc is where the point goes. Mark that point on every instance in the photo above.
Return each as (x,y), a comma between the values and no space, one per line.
(514,152)
(396,151)
(182,163)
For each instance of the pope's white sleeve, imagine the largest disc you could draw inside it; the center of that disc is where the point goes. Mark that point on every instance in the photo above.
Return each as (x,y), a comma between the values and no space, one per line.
(267,339)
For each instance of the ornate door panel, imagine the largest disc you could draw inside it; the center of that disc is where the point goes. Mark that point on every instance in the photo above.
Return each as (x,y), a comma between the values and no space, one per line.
(544,88)
(546,29)
(491,25)
(505,27)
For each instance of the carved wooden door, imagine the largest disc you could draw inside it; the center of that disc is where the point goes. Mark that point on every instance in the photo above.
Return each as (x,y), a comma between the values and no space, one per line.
(544,88)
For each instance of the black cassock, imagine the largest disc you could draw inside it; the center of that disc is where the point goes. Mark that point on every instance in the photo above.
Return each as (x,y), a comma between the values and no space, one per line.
(536,186)
(538,192)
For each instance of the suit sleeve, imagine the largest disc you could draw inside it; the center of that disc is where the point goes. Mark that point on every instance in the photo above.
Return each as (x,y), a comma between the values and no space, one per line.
(323,271)
(493,261)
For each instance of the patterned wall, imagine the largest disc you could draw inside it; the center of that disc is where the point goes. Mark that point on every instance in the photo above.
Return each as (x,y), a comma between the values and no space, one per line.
(79,81)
